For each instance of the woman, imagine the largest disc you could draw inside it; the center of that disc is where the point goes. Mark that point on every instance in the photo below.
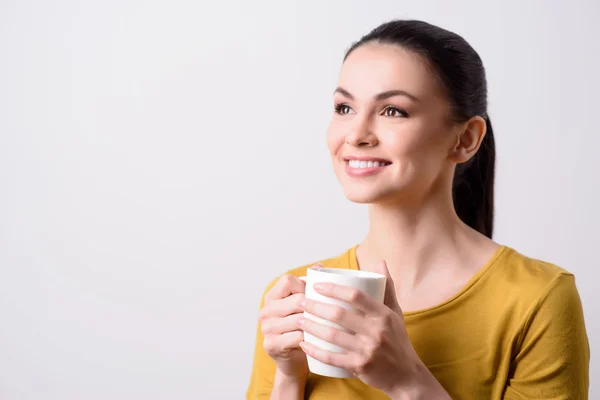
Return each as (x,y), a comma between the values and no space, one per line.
(463,317)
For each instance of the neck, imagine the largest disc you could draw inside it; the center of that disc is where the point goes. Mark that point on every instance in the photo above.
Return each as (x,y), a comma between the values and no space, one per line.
(413,240)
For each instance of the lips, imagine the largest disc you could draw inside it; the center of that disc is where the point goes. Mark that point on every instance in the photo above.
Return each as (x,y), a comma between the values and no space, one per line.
(367,158)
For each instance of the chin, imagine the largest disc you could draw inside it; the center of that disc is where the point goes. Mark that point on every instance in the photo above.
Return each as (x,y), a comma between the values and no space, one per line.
(360,199)
(365,196)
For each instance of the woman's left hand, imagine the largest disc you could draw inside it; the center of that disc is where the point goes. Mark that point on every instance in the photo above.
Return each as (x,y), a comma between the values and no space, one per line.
(379,352)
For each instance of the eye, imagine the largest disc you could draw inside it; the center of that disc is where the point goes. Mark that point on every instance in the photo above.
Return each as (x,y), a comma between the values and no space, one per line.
(342,109)
(394,112)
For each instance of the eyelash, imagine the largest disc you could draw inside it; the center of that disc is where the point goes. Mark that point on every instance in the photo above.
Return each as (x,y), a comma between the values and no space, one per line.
(339,107)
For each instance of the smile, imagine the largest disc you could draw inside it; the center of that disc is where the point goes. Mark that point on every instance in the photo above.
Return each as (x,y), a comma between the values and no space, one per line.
(364,166)
(367,164)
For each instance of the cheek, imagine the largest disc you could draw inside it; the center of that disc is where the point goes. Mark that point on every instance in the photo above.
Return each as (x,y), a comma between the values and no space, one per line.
(407,145)
(417,140)
(417,152)
(335,139)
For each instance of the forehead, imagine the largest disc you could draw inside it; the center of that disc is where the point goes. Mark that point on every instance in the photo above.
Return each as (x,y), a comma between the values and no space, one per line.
(374,68)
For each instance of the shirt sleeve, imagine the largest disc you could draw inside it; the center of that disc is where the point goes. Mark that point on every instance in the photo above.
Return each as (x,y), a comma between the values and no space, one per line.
(263,366)
(553,354)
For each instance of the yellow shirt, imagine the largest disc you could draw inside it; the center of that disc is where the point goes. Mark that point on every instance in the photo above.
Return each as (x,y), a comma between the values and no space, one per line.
(515,331)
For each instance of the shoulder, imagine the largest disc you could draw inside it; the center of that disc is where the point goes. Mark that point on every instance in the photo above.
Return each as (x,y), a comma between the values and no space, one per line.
(527,273)
(545,317)
(528,282)
(537,300)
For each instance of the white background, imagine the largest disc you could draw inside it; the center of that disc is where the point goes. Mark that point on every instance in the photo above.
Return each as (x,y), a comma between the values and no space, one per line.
(161,162)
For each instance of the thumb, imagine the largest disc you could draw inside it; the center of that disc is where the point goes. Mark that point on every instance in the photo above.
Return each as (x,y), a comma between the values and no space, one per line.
(390,298)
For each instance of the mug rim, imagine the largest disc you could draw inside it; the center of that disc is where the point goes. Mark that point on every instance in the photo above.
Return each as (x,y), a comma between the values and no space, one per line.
(349,273)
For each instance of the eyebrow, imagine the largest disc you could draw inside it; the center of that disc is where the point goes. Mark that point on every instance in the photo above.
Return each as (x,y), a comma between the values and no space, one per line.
(381,96)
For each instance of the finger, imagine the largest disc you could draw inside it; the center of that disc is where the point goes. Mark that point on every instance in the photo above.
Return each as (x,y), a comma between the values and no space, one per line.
(331,335)
(282,307)
(355,297)
(390,299)
(286,285)
(349,319)
(277,326)
(341,360)
(278,344)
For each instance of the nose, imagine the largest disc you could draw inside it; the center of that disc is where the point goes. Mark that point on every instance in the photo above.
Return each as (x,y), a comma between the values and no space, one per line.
(361,134)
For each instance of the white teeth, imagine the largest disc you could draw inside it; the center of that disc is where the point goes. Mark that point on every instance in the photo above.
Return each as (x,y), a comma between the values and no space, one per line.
(366,164)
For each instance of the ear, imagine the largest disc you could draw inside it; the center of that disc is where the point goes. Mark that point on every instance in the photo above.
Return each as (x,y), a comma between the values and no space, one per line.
(469,136)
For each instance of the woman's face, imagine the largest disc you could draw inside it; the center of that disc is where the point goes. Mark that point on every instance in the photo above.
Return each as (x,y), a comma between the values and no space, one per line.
(390,135)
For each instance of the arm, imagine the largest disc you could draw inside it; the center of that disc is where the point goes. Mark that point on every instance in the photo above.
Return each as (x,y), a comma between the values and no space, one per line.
(424,387)
(552,360)
(263,367)
(286,389)
(267,381)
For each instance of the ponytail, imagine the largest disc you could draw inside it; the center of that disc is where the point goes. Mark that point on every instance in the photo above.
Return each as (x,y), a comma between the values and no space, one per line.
(473,186)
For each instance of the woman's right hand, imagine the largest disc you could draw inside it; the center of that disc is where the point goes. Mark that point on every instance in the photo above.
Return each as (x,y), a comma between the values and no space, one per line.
(279,324)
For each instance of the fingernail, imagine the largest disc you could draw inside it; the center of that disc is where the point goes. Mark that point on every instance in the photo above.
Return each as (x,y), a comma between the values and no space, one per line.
(303,303)
(301,322)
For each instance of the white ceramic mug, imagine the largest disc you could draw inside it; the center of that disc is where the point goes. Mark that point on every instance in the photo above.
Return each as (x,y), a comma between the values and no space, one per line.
(371,283)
